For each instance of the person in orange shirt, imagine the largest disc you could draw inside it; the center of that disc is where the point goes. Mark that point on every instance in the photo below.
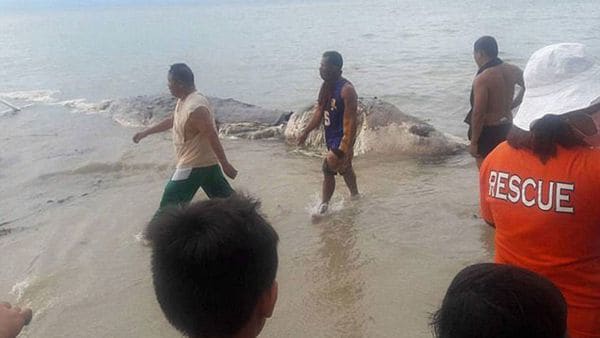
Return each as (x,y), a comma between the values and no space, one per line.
(539,188)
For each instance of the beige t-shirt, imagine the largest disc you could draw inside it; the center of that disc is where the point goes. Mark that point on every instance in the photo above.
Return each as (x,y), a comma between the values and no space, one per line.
(192,148)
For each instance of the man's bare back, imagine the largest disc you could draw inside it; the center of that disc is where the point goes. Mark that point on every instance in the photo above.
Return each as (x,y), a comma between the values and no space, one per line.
(491,117)
(499,82)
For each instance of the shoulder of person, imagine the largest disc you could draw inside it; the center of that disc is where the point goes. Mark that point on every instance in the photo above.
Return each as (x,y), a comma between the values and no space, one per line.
(592,154)
(482,79)
(200,100)
(504,148)
(501,153)
(513,66)
(513,69)
(200,111)
(588,159)
(348,89)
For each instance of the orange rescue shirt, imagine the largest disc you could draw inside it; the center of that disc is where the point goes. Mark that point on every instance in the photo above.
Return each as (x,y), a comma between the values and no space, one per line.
(547,219)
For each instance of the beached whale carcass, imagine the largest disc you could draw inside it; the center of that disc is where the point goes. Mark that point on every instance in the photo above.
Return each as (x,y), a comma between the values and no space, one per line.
(145,110)
(382,128)
(234,118)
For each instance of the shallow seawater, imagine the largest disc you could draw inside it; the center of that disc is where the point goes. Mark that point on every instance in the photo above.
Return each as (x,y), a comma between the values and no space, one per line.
(75,191)
(377,266)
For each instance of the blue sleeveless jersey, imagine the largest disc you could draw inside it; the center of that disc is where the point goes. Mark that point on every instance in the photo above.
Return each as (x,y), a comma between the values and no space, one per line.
(333,118)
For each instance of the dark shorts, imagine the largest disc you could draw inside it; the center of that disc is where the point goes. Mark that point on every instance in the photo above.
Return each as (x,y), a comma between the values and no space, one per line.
(490,137)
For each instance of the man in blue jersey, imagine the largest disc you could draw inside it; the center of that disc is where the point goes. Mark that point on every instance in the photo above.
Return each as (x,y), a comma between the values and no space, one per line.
(336,109)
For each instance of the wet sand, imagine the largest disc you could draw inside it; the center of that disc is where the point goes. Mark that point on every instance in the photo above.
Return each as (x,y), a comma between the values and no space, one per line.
(76,196)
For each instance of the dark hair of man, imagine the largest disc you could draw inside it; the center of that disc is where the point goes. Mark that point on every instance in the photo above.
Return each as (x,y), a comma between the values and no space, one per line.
(487,45)
(334,58)
(326,92)
(182,74)
(545,135)
(211,262)
(500,301)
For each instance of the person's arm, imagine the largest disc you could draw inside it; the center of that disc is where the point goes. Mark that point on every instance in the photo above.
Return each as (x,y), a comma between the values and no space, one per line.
(314,122)
(521,83)
(480,92)
(484,207)
(350,119)
(12,319)
(200,119)
(164,125)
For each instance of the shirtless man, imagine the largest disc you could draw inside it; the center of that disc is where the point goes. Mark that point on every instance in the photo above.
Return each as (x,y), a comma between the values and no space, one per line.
(492,98)
(336,109)
(197,146)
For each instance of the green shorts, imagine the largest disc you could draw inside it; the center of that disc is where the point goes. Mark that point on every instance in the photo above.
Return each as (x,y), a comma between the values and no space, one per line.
(180,190)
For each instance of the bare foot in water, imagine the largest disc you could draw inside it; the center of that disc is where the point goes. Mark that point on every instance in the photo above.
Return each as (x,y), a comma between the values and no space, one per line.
(320,212)
(323,208)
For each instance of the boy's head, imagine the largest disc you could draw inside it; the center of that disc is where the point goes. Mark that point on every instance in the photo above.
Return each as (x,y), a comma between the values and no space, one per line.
(501,301)
(214,265)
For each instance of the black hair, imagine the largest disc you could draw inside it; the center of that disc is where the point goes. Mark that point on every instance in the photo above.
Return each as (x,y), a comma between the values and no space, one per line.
(487,45)
(544,136)
(211,262)
(501,301)
(328,87)
(334,58)
(182,74)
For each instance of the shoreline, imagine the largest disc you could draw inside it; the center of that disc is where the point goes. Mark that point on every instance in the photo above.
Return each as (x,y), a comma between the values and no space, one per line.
(356,273)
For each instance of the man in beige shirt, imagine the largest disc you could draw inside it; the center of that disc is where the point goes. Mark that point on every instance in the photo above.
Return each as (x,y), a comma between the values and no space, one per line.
(492,100)
(197,147)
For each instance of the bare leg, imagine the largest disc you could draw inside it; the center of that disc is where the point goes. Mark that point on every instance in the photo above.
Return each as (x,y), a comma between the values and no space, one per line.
(350,179)
(328,187)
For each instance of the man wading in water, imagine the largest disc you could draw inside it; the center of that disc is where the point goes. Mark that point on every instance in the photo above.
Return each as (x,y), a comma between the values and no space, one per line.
(196,141)
(492,102)
(336,109)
